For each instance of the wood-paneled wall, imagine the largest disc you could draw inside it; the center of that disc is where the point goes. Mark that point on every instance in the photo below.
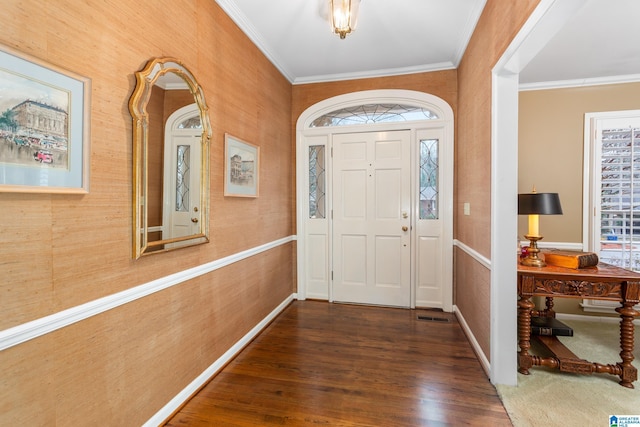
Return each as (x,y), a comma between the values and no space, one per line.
(60,251)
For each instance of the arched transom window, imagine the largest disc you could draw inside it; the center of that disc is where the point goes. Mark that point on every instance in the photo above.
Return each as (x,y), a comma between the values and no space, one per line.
(191,123)
(373,113)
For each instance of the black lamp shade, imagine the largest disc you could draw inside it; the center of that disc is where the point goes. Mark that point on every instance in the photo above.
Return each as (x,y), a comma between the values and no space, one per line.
(539,204)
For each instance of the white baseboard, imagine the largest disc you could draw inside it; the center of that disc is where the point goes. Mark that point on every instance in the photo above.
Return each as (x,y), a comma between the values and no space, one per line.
(484,362)
(174,404)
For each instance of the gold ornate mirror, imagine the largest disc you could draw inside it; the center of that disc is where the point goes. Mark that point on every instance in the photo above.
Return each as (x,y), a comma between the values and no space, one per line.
(171,134)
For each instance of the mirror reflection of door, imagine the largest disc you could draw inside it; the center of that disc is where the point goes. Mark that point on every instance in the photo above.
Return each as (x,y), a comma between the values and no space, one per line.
(181,189)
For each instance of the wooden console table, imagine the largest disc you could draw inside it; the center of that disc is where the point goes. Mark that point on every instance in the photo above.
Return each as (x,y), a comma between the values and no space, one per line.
(604,282)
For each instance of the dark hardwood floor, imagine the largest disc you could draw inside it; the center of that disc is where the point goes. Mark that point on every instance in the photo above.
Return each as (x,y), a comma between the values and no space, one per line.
(347,365)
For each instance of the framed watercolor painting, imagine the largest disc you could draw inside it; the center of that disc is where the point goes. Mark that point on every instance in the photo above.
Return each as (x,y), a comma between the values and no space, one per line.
(241,168)
(44,126)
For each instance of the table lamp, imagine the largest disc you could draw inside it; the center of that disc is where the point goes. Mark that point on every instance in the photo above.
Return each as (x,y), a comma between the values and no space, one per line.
(535,204)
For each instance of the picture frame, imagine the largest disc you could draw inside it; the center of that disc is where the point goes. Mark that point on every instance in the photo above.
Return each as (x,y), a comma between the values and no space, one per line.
(241,168)
(44,126)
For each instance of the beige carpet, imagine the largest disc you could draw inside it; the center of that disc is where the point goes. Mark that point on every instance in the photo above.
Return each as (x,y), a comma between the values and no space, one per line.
(553,398)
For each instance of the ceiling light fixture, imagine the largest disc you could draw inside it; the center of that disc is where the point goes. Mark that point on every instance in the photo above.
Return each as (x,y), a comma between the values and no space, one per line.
(344,16)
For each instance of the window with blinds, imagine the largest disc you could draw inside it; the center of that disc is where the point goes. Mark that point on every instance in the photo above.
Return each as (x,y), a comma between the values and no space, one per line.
(620,197)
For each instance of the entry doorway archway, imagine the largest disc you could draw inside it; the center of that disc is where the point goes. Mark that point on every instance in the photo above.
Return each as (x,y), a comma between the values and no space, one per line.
(543,23)
(428,215)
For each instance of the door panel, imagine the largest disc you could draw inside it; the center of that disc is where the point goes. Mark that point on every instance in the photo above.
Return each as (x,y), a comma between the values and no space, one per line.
(429,286)
(317,257)
(315,268)
(371,188)
(389,251)
(388,193)
(354,205)
(183,204)
(354,250)
(430,222)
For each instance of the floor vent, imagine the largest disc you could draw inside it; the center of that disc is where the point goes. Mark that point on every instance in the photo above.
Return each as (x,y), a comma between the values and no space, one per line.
(433,319)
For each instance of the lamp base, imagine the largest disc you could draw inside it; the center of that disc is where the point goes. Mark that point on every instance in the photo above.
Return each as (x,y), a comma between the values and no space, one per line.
(532,260)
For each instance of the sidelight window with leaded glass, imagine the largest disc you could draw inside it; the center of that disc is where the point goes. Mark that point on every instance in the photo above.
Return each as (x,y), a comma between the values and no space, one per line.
(429,179)
(317,180)
(183,170)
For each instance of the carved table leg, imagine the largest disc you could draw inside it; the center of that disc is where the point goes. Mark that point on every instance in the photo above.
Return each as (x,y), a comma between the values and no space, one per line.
(629,372)
(525,360)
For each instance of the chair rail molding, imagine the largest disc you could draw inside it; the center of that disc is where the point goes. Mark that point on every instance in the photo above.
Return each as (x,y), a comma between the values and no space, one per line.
(44,325)
(486,262)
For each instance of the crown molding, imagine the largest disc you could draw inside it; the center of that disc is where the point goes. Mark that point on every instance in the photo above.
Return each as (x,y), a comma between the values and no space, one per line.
(595,81)
(467,31)
(245,26)
(376,73)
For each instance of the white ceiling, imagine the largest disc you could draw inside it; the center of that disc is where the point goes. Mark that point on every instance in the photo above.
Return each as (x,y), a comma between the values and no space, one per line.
(600,44)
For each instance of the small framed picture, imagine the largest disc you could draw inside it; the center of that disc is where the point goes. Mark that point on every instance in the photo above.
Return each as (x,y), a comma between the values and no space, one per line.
(44,126)
(241,168)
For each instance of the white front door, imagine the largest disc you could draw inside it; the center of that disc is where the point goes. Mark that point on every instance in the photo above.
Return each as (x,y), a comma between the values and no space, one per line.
(351,245)
(372,218)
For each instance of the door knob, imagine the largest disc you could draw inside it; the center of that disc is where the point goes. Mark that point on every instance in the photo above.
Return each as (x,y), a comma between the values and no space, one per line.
(405,228)
(194,220)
